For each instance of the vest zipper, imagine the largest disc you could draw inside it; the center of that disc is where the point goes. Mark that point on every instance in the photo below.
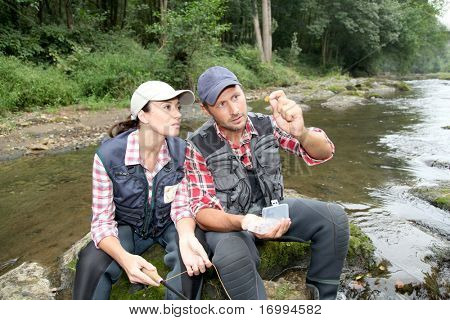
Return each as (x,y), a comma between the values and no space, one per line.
(148,213)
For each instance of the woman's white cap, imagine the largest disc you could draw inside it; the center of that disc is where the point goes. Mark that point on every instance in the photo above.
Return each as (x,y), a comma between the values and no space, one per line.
(157,91)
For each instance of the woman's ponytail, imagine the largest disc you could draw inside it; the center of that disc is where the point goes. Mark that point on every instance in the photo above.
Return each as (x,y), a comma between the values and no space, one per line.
(123,126)
(128,124)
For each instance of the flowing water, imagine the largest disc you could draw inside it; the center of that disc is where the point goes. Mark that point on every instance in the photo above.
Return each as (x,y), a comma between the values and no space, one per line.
(382,151)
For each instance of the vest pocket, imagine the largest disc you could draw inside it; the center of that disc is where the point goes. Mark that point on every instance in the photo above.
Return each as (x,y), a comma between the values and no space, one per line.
(129,215)
(267,154)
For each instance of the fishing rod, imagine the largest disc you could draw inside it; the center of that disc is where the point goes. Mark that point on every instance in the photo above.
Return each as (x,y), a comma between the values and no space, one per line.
(153,274)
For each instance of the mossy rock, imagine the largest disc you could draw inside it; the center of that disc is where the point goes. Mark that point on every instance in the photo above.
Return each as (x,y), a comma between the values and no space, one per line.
(356,93)
(443,76)
(370,95)
(275,257)
(437,196)
(124,290)
(402,86)
(360,248)
(336,88)
(437,281)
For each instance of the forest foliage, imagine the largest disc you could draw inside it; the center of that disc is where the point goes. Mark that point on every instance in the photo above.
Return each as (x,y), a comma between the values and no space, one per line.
(59,52)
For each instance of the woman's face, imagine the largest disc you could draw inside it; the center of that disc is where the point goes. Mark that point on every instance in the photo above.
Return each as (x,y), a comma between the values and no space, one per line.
(164,117)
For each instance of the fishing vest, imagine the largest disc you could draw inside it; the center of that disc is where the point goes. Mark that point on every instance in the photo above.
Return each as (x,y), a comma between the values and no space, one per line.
(130,185)
(239,190)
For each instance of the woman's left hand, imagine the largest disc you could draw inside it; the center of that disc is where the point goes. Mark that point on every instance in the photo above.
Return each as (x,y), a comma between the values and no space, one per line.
(194,256)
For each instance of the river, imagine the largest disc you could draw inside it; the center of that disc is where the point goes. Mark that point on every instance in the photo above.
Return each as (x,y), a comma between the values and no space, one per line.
(382,151)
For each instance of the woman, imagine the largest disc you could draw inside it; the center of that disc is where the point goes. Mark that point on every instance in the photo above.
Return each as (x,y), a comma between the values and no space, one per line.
(138,189)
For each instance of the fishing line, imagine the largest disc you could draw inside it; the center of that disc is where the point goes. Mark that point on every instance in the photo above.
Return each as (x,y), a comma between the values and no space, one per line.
(157,278)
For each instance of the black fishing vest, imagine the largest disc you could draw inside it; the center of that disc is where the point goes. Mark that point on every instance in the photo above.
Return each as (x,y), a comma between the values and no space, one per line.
(239,190)
(130,186)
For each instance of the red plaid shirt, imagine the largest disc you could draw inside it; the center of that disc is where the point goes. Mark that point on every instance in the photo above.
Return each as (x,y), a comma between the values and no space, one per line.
(103,223)
(200,180)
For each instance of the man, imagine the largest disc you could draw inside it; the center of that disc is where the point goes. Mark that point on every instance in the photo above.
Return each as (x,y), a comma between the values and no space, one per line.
(233,171)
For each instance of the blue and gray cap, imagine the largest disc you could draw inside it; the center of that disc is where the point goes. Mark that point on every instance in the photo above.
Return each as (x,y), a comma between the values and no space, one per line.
(213,81)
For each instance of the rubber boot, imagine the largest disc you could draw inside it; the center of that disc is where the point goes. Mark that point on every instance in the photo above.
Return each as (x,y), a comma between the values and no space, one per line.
(322,291)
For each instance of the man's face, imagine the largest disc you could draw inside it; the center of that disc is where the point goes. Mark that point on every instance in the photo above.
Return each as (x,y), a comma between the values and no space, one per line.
(230,109)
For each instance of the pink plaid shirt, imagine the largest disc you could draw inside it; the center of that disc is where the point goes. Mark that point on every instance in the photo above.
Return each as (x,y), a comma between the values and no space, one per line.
(103,223)
(200,180)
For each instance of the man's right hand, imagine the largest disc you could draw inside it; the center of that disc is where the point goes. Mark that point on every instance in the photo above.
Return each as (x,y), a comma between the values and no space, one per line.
(277,231)
(250,219)
(133,265)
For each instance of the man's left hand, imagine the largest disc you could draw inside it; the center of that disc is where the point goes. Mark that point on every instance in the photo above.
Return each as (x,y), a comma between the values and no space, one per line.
(288,114)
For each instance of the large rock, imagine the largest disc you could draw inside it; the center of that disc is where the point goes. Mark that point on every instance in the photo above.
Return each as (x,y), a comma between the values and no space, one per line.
(284,261)
(68,262)
(26,282)
(438,163)
(320,95)
(342,102)
(438,196)
(381,91)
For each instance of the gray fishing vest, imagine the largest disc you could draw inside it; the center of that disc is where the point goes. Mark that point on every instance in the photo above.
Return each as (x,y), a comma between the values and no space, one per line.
(130,186)
(242,191)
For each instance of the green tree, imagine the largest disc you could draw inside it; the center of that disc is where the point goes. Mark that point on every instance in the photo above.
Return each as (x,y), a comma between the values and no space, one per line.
(194,27)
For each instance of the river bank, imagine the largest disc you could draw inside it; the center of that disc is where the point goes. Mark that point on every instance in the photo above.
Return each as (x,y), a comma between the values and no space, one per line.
(74,127)
(283,268)
(389,145)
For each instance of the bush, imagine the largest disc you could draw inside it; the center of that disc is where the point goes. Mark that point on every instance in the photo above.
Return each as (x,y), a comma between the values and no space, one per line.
(203,61)
(24,86)
(274,74)
(117,73)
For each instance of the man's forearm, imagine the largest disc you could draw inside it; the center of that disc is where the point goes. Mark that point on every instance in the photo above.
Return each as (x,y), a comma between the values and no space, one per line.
(218,220)
(316,144)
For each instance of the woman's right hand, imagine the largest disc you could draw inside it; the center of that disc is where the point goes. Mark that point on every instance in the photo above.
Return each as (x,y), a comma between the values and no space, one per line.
(133,265)
(193,255)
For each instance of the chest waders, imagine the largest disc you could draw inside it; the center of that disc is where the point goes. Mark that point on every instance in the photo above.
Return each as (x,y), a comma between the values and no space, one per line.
(242,191)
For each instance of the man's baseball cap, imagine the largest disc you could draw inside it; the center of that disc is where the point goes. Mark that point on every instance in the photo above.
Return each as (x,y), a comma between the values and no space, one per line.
(213,81)
(157,91)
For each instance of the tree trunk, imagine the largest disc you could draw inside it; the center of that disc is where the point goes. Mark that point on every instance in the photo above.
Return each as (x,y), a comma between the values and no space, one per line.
(163,10)
(267,30)
(257,28)
(114,13)
(69,16)
(124,13)
(325,48)
(41,12)
(14,12)
(49,11)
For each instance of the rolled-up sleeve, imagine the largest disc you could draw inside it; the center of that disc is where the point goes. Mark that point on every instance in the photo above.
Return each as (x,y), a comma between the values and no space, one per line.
(292,145)
(200,182)
(180,205)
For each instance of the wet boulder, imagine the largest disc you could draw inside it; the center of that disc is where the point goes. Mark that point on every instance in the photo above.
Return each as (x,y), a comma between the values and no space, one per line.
(438,196)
